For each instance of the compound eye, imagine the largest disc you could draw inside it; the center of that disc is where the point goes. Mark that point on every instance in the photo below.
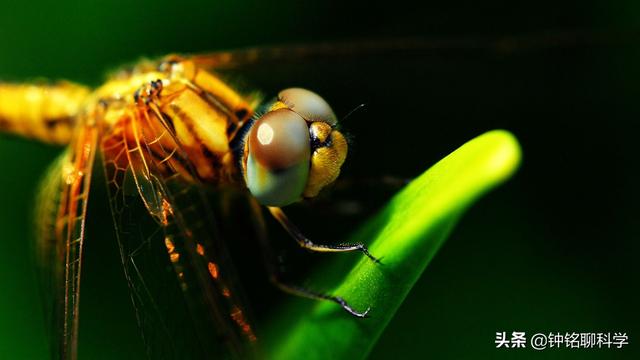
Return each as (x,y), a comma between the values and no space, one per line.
(278,159)
(280,139)
(308,104)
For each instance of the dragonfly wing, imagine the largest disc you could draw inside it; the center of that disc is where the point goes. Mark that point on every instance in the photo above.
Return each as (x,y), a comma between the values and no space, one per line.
(403,46)
(62,211)
(200,307)
(296,53)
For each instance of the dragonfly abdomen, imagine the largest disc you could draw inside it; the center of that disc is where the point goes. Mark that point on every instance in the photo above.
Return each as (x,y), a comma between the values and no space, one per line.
(46,112)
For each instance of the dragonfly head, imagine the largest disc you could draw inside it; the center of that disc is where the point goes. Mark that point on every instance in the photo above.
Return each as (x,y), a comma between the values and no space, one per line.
(293,150)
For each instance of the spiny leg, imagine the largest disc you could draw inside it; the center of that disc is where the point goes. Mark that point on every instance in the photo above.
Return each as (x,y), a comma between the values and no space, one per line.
(274,274)
(310,294)
(304,242)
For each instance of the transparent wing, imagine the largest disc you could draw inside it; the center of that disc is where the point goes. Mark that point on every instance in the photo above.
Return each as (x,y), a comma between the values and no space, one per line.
(62,211)
(403,46)
(266,55)
(180,275)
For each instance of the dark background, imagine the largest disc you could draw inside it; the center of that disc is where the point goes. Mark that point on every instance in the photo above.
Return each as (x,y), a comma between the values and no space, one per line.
(555,249)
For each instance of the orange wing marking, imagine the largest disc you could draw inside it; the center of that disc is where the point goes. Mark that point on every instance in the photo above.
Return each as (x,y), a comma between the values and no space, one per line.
(236,313)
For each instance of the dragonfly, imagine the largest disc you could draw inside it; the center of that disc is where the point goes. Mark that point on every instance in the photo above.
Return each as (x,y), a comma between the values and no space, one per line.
(166,132)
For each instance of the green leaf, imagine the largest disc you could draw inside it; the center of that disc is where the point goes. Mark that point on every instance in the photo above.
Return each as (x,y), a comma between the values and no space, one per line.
(406,236)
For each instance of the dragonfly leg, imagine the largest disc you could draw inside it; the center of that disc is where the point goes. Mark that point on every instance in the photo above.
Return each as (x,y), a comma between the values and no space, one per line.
(310,294)
(274,273)
(304,242)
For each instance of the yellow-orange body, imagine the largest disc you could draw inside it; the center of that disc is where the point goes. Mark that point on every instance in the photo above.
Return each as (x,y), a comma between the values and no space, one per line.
(168,125)
(194,110)
(163,122)
(45,112)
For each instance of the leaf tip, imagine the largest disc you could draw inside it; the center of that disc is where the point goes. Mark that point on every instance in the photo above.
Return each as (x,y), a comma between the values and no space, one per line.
(507,153)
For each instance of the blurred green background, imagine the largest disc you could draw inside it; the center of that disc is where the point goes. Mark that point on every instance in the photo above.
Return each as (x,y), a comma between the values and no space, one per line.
(555,249)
